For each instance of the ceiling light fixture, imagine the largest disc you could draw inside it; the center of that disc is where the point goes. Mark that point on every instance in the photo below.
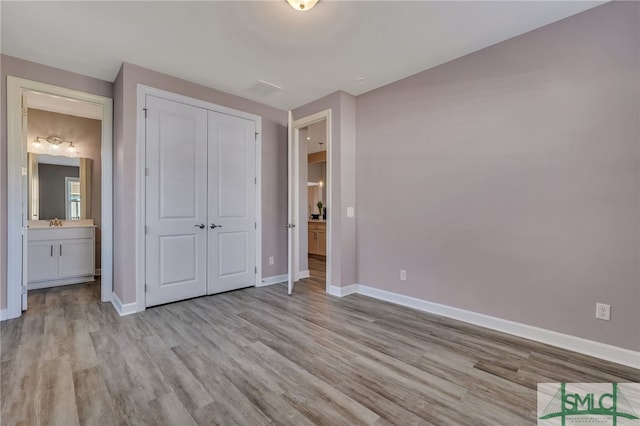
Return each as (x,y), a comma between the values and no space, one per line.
(302,5)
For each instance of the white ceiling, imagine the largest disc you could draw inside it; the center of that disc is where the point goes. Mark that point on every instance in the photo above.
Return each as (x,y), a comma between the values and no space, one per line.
(230,45)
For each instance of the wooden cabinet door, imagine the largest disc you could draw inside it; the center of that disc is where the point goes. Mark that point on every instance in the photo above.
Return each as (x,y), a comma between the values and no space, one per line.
(322,243)
(311,238)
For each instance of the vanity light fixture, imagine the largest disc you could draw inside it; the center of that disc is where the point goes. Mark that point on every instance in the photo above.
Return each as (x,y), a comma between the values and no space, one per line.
(302,5)
(53,146)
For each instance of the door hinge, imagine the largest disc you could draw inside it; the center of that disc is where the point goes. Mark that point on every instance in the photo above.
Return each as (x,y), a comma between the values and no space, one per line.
(255,180)
(255,269)
(145,112)
(24,112)
(255,225)
(146,171)
(256,137)
(24,290)
(146,230)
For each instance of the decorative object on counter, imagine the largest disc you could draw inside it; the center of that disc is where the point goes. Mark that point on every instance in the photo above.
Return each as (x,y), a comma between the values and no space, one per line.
(319,208)
(55,222)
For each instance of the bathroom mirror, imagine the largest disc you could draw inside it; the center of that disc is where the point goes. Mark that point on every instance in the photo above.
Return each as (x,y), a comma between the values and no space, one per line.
(59,187)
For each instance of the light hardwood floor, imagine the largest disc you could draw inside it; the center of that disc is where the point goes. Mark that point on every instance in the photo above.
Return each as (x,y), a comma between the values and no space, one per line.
(257,356)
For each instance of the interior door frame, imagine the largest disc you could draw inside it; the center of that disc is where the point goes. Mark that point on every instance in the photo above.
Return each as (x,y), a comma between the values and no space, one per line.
(142,92)
(17,190)
(295,186)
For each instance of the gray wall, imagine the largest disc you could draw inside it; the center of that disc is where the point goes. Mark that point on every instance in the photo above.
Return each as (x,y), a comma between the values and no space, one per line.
(274,170)
(51,179)
(507,182)
(37,72)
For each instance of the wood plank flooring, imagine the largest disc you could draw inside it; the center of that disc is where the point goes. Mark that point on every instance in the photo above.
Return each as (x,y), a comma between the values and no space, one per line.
(257,356)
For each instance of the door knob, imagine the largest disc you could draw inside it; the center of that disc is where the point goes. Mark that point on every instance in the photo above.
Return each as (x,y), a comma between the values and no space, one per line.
(201,226)
(214,226)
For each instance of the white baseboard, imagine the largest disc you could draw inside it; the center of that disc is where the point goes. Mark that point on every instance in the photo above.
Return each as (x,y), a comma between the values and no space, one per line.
(577,344)
(343,291)
(123,308)
(274,280)
(303,274)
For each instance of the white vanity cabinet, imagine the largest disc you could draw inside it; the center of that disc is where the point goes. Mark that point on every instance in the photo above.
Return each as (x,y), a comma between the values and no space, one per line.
(59,256)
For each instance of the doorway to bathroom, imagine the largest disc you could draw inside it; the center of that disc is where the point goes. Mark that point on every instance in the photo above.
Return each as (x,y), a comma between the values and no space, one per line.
(59,259)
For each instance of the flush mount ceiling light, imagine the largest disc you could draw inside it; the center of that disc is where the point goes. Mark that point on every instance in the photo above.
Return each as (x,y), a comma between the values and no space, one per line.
(302,5)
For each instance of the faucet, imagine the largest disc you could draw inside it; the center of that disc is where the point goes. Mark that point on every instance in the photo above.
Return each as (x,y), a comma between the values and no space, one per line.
(55,222)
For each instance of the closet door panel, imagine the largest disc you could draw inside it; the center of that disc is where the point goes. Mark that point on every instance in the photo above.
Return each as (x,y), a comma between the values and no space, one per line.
(232,187)
(176,201)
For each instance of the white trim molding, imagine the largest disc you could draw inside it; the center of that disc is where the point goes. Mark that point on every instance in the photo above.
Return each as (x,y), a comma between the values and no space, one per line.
(277,279)
(3,314)
(294,183)
(343,291)
(123,308)
(577,344)
(17,181)
(303,274)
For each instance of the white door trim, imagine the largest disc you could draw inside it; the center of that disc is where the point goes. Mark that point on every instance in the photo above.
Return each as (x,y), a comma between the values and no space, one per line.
(16,190)
(142,92)
(297,125)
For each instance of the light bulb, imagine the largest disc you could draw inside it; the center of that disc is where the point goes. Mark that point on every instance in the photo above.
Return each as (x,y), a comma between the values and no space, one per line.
(302,5)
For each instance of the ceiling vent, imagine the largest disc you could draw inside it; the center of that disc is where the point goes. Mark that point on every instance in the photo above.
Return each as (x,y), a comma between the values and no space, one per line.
(264,88)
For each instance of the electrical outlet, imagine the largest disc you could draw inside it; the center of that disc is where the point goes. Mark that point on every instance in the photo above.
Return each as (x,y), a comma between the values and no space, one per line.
(271,260)
(603,311)
(403,275)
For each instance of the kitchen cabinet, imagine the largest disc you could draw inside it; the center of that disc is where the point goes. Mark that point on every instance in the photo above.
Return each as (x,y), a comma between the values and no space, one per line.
(60,256)
(317,237)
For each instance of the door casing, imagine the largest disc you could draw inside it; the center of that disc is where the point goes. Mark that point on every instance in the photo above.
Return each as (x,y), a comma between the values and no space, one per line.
(17,190)
(294,190)
(142,92)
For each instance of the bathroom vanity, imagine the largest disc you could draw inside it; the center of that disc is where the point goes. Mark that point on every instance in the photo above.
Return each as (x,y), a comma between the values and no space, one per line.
(60,255)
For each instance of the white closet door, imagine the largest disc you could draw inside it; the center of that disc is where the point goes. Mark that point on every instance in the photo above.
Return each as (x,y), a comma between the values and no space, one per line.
(176,201)
(232,186)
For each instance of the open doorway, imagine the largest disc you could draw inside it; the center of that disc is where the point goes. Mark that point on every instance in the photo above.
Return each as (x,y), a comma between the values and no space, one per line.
(23,95)
(310,197)
(64,177)
(313,190)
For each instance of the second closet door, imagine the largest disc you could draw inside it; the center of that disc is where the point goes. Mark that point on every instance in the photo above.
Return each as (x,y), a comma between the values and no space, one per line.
(231,206)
